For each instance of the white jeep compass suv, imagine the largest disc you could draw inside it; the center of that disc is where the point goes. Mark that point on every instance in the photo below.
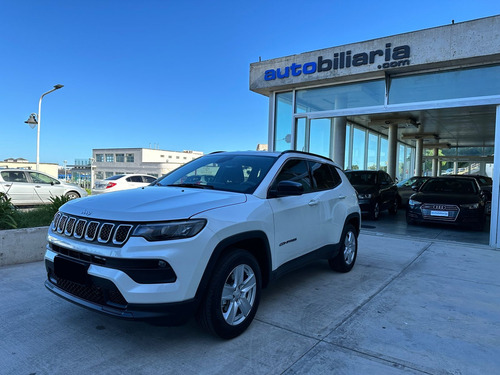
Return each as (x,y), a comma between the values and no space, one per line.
(180,248)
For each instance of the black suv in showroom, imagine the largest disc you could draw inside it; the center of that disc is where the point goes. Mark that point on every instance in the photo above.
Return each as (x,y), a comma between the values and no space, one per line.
(376,192)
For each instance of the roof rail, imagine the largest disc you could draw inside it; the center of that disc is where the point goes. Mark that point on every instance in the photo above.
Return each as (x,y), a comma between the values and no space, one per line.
(305,153)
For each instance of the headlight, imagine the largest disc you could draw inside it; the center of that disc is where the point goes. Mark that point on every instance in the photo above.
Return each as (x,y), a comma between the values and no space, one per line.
(470,206)
(413,203)
(364,196)
(170,230)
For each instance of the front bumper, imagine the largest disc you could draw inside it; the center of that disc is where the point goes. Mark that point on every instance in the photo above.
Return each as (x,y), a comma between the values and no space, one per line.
(75,282)
(452,215)
(366,206)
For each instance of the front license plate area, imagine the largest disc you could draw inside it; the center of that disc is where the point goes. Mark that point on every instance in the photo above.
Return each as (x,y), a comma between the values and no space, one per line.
(71,270)
(439,213)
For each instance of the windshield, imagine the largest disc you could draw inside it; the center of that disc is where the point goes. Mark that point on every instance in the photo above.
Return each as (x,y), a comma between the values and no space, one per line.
(450,186)
(362,178)
(228,172)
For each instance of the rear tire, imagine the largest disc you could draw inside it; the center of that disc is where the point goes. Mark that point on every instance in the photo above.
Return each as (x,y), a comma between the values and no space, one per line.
(72,195)
(375,212)
(345,259)
(232,296)
(393,208)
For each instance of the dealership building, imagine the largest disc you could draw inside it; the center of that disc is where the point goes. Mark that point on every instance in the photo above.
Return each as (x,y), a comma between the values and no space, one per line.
(425,102)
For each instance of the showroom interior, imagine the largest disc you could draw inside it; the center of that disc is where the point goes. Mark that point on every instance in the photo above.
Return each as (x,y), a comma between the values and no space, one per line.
(419,103)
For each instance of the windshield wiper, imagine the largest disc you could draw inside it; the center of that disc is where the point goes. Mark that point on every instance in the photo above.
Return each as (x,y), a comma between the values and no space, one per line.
(196,186)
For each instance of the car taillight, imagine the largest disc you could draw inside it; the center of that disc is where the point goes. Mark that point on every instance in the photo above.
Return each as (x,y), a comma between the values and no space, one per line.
(110,185)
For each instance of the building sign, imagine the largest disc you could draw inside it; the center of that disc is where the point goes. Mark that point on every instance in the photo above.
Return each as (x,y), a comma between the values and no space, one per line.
(387,58)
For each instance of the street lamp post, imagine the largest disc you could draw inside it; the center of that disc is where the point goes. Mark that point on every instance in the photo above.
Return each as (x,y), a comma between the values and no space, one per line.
(32,121)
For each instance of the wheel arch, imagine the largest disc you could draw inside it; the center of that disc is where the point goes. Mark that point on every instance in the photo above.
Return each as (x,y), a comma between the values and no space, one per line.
(355,220)
(255,242)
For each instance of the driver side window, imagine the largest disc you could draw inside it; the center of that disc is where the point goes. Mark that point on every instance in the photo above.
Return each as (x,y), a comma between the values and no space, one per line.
(294,170)
(39,178)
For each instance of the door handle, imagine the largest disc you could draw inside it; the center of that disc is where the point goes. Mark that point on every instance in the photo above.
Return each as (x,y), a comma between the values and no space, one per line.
(313,202)
(37,186)
(342,197)
(9,185)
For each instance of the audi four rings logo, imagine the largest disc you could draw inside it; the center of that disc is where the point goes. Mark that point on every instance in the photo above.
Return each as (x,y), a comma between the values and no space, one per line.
(436,207)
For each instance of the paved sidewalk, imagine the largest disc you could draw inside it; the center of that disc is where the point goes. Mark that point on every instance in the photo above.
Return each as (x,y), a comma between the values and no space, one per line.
(410,306)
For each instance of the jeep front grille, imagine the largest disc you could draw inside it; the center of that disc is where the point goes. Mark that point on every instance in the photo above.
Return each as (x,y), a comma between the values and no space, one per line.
(97,231)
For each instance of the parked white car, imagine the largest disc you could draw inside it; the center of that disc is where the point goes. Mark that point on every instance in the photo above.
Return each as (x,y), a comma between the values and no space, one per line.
(28,188)
(178,248)
(122,182)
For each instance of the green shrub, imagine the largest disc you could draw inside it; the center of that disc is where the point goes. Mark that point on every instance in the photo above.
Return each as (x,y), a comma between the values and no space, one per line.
(42,216)
(7,213)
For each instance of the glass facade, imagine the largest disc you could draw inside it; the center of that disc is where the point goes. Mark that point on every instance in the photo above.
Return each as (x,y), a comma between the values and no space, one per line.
(364,148)
(372,151)
(358,149)
(283,121)
(320,137)
(353,95)
(454,84)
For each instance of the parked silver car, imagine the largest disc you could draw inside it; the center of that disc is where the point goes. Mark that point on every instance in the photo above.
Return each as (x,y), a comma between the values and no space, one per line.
(27,187)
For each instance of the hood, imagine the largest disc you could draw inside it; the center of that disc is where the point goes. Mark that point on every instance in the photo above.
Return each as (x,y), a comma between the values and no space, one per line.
(365,189)
(151,203)
(446,198)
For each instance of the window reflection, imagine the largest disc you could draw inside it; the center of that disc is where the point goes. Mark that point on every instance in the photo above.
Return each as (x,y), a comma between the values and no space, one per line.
(358,149)
(372,151)
(463,83)
(383,154)
(319,142)
(354,95)
(283,121)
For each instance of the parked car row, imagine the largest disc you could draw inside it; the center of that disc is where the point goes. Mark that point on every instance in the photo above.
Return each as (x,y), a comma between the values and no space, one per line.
(26,187)
(453,199)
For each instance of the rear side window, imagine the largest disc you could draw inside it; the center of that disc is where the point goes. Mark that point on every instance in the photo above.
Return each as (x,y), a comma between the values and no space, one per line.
(14,176)
(324,176)
(134,179)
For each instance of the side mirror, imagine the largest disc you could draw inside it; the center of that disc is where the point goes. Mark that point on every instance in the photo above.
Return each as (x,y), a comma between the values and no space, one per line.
(287,188)
(415,187)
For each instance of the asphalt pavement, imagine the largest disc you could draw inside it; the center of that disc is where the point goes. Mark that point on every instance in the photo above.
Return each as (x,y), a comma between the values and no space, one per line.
(409,306)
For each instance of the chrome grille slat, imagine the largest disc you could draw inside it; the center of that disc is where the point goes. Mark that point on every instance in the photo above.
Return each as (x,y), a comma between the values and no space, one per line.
(70,226)
(105,232)
(91,231)
(121,234)
(80,228)
(96,231)
(62,223)
(55,222)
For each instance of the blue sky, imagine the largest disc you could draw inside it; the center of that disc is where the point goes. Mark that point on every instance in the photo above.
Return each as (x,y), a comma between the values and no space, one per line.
(170,73)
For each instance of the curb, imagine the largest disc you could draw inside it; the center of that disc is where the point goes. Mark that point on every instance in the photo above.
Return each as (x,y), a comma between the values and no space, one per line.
(22,245)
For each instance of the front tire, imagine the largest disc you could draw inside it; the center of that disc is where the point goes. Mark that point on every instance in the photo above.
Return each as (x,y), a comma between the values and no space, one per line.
(232,296)
(345,259)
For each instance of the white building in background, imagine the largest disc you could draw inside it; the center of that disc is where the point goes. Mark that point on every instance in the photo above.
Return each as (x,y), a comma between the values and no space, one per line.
(111,161)
(21,163)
